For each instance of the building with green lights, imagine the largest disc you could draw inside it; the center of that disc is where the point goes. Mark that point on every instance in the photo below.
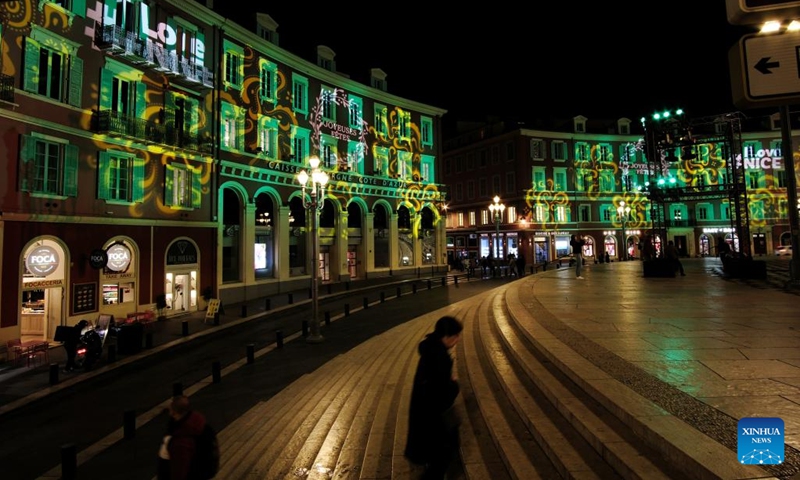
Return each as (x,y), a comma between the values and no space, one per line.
(150,155)
(592,177)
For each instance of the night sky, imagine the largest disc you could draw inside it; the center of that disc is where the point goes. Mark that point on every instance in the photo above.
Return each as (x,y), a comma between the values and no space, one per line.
(540,60)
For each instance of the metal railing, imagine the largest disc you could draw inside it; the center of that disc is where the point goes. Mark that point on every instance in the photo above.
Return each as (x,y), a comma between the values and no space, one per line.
(6,88)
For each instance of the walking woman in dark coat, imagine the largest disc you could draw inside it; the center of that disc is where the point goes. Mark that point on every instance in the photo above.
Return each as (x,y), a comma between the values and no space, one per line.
(432,425)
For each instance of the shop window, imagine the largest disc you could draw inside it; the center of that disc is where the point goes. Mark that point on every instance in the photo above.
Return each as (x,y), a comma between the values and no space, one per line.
(117,293)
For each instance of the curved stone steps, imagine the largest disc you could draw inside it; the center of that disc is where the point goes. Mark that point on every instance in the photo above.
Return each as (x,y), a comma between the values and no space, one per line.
(361,441)
(574,416)
(330,421)
(521,456)
(246,440)
(690,452)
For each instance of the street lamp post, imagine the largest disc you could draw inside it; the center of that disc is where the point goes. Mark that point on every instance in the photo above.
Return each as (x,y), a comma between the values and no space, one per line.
(315,203)
(497,210)
(622,213)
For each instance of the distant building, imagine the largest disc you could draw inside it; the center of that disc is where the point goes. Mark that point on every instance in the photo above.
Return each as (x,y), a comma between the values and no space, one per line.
(562,177)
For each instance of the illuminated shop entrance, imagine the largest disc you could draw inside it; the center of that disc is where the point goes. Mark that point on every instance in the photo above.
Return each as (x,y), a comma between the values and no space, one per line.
(42,303)
(180,283)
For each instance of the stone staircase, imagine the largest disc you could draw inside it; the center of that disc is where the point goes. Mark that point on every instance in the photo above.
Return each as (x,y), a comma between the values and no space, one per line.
(531,408)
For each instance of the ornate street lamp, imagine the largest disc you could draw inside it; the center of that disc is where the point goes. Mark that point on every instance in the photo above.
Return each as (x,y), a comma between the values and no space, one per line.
(314,204)
(622,214)
(497,210)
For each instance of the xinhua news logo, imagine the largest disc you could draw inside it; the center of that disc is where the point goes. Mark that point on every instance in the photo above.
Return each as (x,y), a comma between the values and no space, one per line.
(760,441)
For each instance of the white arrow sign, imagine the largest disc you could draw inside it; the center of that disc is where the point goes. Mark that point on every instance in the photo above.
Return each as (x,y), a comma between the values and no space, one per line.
(764,70)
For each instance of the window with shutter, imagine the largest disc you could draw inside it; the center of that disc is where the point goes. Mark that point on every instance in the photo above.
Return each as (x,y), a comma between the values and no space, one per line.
(48,167)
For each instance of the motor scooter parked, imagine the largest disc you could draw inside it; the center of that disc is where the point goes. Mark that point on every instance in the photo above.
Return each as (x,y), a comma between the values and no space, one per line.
(90,348)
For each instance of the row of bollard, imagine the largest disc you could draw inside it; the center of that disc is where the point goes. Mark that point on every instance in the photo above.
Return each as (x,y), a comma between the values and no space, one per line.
(69,453)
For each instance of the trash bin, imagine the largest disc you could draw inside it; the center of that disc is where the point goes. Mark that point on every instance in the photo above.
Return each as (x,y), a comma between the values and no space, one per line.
(129,338)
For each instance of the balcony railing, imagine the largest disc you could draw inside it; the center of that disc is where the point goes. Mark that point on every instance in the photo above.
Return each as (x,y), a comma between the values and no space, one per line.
(115,123)
(116,40)
(6,88)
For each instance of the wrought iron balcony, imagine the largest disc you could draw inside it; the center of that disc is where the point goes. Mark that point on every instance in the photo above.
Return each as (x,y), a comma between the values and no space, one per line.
(115,123)
(6,88)
(115,40)
(119,124)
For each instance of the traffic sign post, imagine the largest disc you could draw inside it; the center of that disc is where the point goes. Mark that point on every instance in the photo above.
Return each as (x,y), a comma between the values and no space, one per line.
(752,12)
(764,70)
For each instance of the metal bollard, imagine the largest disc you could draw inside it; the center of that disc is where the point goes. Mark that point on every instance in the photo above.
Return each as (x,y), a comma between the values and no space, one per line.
(444,281)
(383,297)
(69,462)
(216,318)
(305,328)
(346,309)
(330,288)
(53,373)
(291,298)
(267,305)
(251,351)
(327,317)
(177,389)
(455,279)
(414,288)
(429,284)
(129,424)
(216,371)
(398,292)
(347,285)
(112,353)
(148,340)
(244,311)
(185,328)
(366,303)
(279,338)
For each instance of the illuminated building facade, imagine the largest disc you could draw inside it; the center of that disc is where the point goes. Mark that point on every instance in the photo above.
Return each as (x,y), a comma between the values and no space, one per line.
(150,152)
(589,177)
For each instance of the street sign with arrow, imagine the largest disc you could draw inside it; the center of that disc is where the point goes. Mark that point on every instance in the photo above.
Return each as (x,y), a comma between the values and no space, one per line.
(764,70)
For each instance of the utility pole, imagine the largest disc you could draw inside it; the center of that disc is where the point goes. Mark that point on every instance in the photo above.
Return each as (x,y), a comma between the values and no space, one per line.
(791,192)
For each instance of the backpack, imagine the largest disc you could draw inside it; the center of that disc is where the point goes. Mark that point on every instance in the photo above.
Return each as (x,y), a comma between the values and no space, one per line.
(205,463)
